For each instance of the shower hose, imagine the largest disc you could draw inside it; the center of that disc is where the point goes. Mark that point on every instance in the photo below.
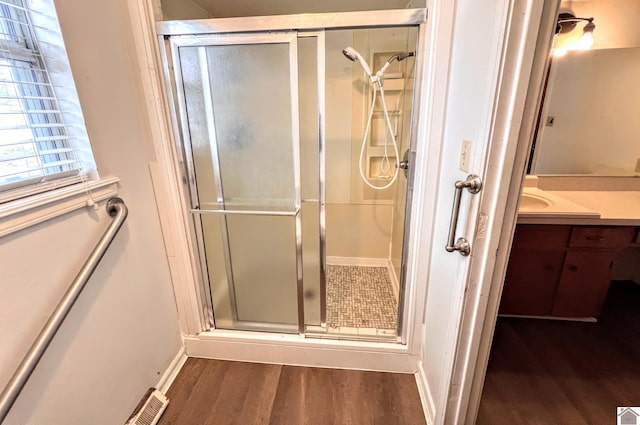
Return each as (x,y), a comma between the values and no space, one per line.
(385,163)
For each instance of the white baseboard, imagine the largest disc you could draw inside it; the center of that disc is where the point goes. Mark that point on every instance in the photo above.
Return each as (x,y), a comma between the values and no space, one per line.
(357,261)
(296,351)
(172,371)
(428,405)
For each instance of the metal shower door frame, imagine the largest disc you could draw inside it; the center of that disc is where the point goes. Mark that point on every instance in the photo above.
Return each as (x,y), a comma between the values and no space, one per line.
(202,42)
(303,25)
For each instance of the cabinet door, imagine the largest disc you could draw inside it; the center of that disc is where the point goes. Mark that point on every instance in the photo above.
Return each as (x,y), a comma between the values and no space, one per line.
(531,282)
(584,283)
(610,237)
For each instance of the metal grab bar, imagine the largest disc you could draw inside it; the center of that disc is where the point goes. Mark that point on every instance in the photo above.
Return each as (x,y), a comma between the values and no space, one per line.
(473,184)
(116,209)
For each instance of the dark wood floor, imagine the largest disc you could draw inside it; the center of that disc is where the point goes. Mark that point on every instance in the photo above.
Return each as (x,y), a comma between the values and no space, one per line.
(222,392)
(550,372)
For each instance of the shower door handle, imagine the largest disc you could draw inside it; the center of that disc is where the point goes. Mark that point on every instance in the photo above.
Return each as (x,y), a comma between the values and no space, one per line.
(473,184)
(404,164)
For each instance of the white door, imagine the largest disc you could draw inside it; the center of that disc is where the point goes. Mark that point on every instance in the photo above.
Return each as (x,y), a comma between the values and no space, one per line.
(484,85)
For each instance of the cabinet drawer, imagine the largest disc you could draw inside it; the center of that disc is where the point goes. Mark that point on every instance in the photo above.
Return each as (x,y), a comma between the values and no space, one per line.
(600,237)
(541,236)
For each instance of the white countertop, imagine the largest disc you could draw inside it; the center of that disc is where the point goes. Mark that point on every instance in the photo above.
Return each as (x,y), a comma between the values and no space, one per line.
(600,207)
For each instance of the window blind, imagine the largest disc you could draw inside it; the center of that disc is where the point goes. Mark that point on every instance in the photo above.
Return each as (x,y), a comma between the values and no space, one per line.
(43,143)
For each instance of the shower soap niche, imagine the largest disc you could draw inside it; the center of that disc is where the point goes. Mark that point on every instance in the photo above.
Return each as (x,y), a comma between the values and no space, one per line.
(375,169)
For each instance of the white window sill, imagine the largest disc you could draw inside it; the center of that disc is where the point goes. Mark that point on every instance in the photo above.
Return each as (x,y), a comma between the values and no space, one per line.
(22,213)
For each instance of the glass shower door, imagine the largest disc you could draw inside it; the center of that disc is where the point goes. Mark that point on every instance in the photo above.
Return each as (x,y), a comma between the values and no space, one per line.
(238,107)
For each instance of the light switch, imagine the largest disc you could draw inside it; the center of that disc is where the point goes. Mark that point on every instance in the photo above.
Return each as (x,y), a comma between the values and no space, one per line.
(551,121)
(465,155)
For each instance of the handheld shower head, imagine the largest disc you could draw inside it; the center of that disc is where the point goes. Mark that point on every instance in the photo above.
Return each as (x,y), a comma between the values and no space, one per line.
(399,57)
(350,53)
(402,56)
(353,55)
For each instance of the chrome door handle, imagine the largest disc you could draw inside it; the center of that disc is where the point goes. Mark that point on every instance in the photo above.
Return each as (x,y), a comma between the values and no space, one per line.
(473,184)
(404,164)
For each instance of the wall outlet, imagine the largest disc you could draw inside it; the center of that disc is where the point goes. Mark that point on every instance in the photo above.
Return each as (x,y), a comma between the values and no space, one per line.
(465,155)
(638,165)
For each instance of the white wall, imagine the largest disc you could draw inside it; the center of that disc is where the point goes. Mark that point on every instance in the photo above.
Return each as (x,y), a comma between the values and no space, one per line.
(123,331)
(594,97)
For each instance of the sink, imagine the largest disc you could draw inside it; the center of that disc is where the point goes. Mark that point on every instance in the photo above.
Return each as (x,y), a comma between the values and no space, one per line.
(529,201)
(537,203)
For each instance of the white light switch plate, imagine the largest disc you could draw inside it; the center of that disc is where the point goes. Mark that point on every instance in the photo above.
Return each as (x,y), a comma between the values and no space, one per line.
(465,155)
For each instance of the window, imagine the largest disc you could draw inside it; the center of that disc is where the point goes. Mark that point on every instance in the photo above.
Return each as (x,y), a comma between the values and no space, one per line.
(43,142)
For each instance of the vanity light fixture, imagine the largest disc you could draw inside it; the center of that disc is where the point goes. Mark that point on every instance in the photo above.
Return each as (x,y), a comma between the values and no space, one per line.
(567,23)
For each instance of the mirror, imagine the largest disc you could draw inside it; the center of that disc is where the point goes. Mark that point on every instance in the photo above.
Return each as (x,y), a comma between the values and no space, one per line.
(590,121)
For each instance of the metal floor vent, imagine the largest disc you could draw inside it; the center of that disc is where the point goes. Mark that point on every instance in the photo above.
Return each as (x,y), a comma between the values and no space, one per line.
(150,408)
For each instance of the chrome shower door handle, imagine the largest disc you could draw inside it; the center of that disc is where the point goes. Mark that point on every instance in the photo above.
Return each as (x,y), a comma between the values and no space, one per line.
(404,164)
(473,184)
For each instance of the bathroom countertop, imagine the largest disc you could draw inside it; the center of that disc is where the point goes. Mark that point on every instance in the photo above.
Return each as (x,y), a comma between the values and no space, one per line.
(615,207)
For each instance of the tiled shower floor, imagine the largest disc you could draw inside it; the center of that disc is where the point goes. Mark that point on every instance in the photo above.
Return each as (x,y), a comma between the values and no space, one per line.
(361,298)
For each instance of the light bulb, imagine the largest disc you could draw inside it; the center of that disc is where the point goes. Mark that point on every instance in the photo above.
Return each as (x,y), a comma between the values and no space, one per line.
(559,52)
(585,42)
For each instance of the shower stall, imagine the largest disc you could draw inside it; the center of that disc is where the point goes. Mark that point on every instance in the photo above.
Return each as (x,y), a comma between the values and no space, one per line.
(296,177)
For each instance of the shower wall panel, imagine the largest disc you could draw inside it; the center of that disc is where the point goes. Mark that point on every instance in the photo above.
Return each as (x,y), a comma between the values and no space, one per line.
(359,219)
(359,231)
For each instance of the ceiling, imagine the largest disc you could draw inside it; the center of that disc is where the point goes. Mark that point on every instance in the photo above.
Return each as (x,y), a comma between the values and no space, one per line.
(226,8)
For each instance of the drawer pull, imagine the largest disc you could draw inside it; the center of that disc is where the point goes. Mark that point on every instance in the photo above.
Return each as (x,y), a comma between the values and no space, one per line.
(595,238)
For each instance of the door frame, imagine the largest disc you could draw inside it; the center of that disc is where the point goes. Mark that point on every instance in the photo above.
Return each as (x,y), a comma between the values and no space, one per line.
(516,114)
(167,179)
(176,34)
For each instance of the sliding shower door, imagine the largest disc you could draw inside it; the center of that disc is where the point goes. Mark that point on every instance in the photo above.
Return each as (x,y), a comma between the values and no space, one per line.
(238,106)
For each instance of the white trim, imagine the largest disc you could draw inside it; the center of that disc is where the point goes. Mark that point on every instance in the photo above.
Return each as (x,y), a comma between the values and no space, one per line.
(299,22)
(296,350)
(428,406)
(172,371)
(23,213)
(438,38)
(166,178)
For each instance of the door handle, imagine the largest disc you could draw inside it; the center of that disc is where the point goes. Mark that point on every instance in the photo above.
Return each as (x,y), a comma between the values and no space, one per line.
(404,164)
(473,184)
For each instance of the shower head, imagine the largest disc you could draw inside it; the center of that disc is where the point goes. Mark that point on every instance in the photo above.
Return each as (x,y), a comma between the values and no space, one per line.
(400,56)
(350,53)
(353,55)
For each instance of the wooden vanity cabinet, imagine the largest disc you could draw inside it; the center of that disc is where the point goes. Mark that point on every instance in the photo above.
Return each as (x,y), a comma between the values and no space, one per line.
(535,266)
(561,270)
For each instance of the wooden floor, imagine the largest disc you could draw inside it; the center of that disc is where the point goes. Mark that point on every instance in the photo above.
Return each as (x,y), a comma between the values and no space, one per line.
(550,372)
(222,392)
